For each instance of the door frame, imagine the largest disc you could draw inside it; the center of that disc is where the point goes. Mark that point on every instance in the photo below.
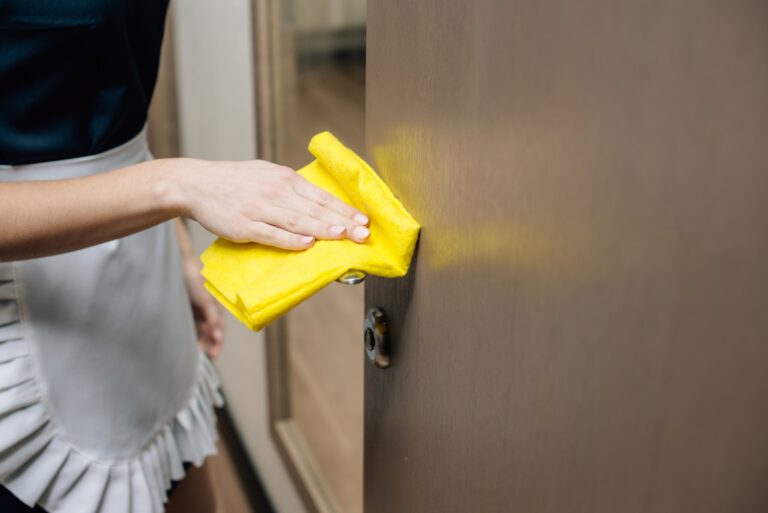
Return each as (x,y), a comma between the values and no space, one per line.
(304,473)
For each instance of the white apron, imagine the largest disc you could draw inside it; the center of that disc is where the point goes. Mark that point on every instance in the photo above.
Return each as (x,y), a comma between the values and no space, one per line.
(103,391)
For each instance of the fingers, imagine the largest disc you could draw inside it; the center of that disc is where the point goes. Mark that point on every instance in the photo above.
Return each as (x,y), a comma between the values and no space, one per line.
(327,208)
(210,339)
(216,335)
(210,329)
(353,230)
(330,202)
(215,345)
(264,233)
(316,221)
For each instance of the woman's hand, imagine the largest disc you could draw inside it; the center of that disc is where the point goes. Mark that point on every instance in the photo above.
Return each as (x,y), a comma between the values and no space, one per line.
(208,314)
(257,201)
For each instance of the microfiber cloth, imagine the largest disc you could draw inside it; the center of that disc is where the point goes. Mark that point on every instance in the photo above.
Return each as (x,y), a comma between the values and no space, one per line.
(259,283)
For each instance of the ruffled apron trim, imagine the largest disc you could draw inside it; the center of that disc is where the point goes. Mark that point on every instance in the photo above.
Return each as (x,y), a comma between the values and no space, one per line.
(39,467)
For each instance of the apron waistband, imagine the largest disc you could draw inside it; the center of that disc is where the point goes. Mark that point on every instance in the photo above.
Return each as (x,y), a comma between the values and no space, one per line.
(134,151)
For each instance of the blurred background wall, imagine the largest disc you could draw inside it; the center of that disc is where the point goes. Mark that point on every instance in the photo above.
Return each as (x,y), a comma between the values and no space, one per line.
(313,15)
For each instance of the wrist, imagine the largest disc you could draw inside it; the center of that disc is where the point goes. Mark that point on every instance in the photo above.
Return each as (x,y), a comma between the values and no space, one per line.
(171,187)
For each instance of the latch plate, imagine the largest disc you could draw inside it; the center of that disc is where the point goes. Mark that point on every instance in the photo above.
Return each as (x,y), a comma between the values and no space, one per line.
(376,338)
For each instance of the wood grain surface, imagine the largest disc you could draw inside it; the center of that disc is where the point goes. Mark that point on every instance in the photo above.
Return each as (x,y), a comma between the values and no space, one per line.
(585,330)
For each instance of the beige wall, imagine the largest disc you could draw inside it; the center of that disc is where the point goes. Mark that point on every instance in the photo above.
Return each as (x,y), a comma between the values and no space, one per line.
(310,15)
(214,67)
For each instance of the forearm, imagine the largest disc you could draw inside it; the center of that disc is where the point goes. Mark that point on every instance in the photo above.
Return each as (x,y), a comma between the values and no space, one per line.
(42,218)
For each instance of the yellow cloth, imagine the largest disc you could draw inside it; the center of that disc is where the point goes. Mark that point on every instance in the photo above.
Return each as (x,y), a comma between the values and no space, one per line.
(258,283)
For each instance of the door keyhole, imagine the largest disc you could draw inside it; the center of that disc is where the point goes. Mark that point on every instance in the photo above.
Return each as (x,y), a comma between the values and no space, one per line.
(370,340)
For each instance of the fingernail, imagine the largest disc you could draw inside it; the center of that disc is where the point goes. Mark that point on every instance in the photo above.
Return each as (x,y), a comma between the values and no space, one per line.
(360,218)
(307,240)
(361,232)
(336,230)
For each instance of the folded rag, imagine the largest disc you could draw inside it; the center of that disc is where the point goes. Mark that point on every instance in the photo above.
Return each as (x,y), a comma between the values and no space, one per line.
(259,283)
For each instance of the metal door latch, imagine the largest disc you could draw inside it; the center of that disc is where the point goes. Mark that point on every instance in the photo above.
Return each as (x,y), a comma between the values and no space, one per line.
(376,338)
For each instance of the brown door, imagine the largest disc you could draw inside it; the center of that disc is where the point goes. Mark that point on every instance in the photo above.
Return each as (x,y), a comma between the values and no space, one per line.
(586,326)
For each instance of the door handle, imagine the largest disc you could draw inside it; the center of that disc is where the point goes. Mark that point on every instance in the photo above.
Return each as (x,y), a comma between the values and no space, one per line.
(351,277)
